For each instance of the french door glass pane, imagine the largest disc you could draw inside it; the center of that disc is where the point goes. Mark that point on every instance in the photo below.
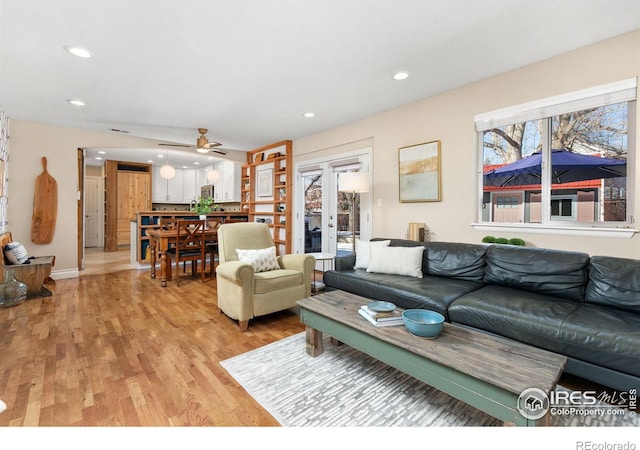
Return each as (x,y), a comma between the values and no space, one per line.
(312,212)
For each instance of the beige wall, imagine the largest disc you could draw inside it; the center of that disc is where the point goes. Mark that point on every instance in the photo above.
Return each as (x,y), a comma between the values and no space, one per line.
(28,143)
(449,118)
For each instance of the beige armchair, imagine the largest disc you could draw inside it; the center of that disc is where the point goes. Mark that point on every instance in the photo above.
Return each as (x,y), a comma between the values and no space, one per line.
(243,293)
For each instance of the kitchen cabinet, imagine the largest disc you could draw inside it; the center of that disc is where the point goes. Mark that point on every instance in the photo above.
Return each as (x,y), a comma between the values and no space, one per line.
(182,188)
(227,188)
(127,191)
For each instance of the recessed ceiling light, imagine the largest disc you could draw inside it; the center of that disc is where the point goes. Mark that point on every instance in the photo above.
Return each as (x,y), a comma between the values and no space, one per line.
(309,115)
(196,163)
(97,157)
(401,76)
(150,160)
(160,156)
(202,150)
(76,102)
(78,51)
(102,152)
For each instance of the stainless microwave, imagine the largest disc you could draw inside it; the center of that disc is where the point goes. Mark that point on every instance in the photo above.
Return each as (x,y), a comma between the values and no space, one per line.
(206,191)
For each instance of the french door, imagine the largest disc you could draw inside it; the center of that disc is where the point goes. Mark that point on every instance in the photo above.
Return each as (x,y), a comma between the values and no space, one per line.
(328,220)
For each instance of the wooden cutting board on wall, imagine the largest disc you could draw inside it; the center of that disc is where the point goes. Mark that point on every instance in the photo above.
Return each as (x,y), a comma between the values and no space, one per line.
(45,207)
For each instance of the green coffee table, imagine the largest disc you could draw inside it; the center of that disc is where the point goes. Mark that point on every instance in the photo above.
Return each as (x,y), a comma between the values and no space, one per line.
(484,371)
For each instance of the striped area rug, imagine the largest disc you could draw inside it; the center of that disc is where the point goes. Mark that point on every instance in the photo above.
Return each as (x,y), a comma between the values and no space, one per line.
(345,387)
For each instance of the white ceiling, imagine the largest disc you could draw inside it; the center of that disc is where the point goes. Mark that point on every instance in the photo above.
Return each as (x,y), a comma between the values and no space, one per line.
(248,69)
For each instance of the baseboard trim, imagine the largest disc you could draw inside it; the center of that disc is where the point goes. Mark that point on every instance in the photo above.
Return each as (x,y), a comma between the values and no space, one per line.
(62,274)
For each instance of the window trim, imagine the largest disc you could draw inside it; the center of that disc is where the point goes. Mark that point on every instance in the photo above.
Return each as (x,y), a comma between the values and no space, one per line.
(610,93)
(616,92)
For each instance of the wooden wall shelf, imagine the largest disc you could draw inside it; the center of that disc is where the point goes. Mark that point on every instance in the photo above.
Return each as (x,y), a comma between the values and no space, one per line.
(274,206)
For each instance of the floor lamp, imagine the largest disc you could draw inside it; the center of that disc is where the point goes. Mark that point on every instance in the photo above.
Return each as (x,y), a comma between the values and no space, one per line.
(355,183)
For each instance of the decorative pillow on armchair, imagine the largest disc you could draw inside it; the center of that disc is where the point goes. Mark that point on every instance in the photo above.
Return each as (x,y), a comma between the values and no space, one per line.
(16,253)
(396,260)
(262,260)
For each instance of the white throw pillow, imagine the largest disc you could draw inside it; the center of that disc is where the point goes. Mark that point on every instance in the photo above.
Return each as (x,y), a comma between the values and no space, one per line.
(262,260)
(397,260)
(16,253)
(363,252)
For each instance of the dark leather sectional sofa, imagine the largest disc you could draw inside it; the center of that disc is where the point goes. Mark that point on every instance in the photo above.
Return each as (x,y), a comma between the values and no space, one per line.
(587,308)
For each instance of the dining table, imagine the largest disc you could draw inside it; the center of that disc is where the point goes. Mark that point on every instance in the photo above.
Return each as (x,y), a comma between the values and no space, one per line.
(159,242)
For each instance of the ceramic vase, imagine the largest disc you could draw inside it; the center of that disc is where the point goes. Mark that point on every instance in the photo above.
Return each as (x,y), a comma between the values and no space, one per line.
(12,291)
(204,217)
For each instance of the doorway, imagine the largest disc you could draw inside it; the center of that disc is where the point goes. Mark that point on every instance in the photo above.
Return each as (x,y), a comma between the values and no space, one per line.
(93,202)
(329,220)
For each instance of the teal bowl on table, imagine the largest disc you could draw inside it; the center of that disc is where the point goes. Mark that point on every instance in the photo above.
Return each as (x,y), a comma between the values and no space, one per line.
(423,322)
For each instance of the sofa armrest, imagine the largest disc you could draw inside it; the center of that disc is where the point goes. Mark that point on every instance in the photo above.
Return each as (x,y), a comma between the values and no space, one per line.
(236,272)
(345,262)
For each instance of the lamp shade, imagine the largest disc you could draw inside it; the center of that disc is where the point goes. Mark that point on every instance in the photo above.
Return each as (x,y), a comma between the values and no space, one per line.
(353,182)
(213,176)
(167,171)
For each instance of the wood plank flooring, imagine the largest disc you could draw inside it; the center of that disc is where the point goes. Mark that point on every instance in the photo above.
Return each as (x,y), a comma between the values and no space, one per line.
(113,348)
(117,349)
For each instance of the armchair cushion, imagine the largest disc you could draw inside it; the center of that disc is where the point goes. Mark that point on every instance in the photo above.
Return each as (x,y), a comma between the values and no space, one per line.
(276,280)
(262,260)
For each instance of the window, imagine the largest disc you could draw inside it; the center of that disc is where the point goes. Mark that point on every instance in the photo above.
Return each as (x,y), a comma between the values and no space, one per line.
(565,157)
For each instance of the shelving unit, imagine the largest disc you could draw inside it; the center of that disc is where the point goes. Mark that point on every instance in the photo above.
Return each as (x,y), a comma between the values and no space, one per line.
(151,219)
(265,180)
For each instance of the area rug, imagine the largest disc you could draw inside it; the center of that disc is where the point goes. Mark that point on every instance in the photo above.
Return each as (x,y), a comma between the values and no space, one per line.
(344,387)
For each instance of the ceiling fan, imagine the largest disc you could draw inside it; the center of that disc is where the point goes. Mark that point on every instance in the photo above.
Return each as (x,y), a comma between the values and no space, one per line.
(203,145)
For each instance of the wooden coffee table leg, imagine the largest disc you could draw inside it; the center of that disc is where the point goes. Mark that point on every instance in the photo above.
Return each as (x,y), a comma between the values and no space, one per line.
(314,342)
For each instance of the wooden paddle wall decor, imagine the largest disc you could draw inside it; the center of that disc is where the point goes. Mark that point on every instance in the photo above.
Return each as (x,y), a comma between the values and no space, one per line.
(45,207)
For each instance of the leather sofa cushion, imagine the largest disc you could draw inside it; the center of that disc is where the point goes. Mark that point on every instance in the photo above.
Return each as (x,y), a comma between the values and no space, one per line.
(603,336)
(608,337)
(276,280)
(529,317)
(429,292)
(456,260)
(614,282)
(551,272)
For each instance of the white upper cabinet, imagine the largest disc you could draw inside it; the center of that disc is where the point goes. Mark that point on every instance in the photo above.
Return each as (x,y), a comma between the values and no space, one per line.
(228,188)
(185,186)
(171,190)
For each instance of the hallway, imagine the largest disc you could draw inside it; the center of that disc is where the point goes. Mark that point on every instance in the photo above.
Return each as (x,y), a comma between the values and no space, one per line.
(97,261)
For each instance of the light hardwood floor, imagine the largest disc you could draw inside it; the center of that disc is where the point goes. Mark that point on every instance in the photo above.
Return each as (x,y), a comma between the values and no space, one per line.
(115,348)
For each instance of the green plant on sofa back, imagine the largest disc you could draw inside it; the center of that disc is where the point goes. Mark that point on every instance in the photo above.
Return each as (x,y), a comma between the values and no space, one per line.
(501,240)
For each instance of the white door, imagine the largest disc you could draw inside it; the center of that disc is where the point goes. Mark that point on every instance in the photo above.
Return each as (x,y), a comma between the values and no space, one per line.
(92,211)
(325,219)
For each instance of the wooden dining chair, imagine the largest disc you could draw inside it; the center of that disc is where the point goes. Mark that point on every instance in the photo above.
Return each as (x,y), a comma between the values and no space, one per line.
(189,245)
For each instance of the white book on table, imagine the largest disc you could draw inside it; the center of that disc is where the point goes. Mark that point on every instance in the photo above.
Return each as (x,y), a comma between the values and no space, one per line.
(381,323)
